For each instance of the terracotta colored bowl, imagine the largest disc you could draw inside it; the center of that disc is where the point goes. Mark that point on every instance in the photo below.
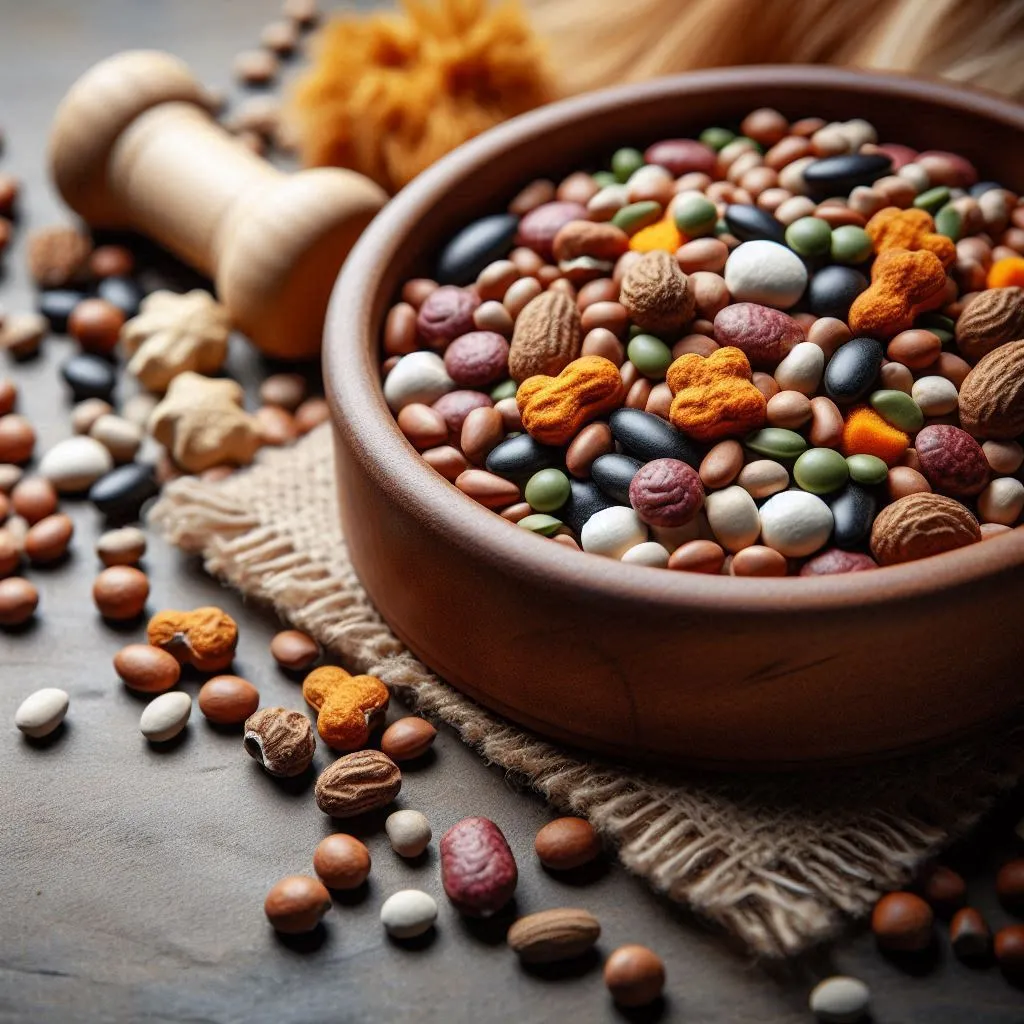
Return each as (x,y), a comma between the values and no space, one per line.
(646,663)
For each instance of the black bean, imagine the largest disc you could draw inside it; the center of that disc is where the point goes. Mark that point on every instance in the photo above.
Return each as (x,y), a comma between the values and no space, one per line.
(476,245)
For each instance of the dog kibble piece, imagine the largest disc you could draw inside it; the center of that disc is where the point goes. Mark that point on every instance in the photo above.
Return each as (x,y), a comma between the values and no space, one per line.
(163,718)
(553,935)
(48,539)
(146,669)
(408,913)
(840,1000)
(408,832)
(18,601)
(281,740)
(408,739)
(970,935)
(341,861)
(296,904)
(634,975)
(41,713)
(567,843)
(294,650)
(125,546)
(228,700)
(350,707)
(120,592)
(902,922)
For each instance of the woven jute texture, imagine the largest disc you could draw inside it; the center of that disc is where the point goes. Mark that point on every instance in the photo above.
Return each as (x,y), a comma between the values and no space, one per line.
(779,862)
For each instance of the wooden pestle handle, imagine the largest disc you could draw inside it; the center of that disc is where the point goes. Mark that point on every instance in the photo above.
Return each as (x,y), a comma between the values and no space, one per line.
(133,146)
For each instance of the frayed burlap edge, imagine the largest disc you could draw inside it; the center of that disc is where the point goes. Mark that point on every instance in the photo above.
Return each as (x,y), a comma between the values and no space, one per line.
(779,862)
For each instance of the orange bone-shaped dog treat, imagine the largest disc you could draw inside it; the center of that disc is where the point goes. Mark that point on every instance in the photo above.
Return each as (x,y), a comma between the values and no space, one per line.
(553,409)
(205,638)
(348,706)
(714,396)
(913,230)
(902,283)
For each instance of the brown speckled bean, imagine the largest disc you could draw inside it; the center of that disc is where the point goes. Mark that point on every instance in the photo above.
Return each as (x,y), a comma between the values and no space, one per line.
(593,440)
(828,334)
(423,427)
(521,292)
(496,279)
(704,556)
(493,316)
(659,401)
(721,465)
(612,316)
(482,429)
(508,409)
(601,342)
(902,480)
(896,377)
(707,254)
(537,193)
(789,409)
(447,461)
(604,289)
(489,490)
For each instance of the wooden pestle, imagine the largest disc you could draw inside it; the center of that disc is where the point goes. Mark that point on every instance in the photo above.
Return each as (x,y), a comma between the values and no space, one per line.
(133,146)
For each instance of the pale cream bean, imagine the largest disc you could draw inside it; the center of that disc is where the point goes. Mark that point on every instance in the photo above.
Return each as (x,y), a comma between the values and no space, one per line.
(493,316)
(757,560)
(866,201)
(936,396)
(526,260)
(1002,501)
(692,181)
(447,461)
(772,198)
(120,437)
(1005,457)
(707,254)
(763,478)
(721,465)
(703,556)
(896,377)
(896,191)
(423,427)
(786,150)
(791,177)
(826,423)
(578,187)
(86,413)
(759,179)
(830,141)
(408,832)
(732,516)
(606,203)
(650,553)
(659,401)
(482,430)
(742,165)
(650,182)
(916,175)
(601,342)
(801,369)
(508,409)
(592,441)
(670,537)
(789,409)
(522,291)
(496,279)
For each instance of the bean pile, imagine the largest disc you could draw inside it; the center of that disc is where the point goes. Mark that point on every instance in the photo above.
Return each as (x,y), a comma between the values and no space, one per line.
(789,350)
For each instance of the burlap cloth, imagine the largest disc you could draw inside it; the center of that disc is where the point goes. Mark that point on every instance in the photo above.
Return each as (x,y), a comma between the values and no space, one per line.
(780,862)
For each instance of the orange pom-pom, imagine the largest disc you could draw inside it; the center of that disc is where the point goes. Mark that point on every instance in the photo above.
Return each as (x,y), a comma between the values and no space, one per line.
(661,235)
(1008,273)
(388,94)
(866,433)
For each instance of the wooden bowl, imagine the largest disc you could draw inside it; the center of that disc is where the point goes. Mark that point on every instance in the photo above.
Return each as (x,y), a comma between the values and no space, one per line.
(636,662)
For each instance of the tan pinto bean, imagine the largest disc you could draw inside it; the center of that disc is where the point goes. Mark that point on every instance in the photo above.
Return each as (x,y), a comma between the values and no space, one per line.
(826,423)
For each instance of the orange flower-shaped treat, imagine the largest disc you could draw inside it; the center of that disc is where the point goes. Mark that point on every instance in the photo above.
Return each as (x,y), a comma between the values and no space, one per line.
(204,638)
(893,228)
(349,706)
(866,433)
(714,396)
(902,283)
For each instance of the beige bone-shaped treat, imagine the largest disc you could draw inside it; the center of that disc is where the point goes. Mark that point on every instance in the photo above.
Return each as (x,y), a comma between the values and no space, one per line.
(133,146)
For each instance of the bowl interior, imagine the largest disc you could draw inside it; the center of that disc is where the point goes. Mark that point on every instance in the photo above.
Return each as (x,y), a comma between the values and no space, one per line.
(483,175)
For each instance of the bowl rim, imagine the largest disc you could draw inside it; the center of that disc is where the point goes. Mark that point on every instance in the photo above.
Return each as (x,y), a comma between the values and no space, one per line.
(358,409)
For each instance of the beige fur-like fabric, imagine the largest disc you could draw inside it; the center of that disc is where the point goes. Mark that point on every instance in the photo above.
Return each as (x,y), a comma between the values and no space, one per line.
(779,862)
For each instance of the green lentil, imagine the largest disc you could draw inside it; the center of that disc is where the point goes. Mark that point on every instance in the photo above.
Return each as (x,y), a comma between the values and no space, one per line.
(850,244)
(625,161)
(949,222)
(898,409)
(933,199)
(821,471)
(932,320)
(604,178)
(867,469)
(634,216)
(776,443)
(547,490)
(695,215)
(540,523)
(717,138)
(506,389)
(650,355)
(635,331)
(721,227)
(809,236)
